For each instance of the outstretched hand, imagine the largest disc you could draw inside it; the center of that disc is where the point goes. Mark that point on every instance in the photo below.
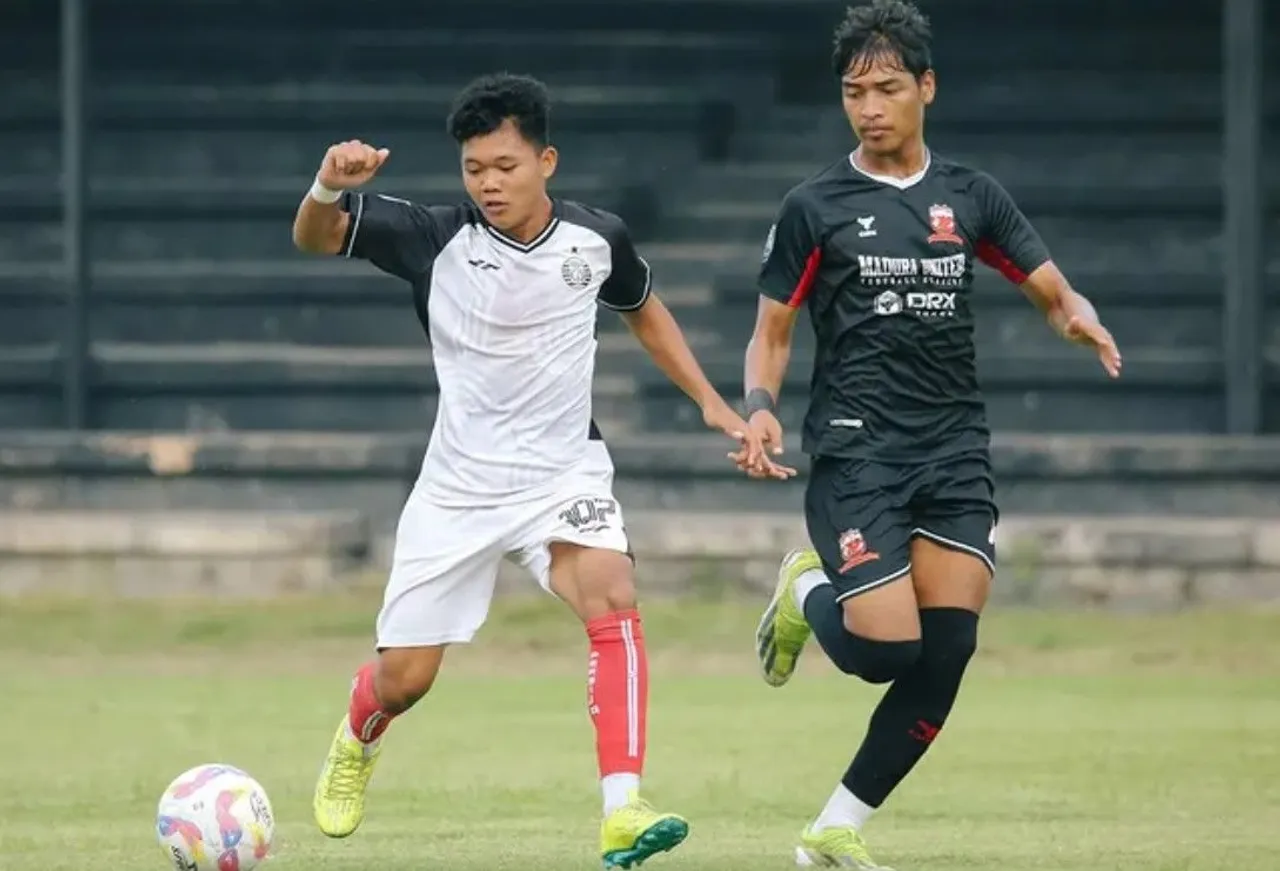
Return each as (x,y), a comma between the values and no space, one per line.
(1092,334)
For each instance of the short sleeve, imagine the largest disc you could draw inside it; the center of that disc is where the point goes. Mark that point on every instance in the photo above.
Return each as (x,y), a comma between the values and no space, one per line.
(1008,242)
(792,252)
(399,237)
(630,280)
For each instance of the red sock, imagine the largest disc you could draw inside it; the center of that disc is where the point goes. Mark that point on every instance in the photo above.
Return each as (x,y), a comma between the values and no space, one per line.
(366,716)
(618,691)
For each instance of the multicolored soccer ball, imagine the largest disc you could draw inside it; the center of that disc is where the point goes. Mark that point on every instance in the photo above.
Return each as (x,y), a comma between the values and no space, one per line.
(215,818)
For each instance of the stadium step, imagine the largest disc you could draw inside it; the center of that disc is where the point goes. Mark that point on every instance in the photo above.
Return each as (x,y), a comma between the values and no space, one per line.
(371,472)
(360,53)
(1135,174)
(303,105)
(1065,101)
(316,301)
(1048,387)
(1055,389)
(325,19)
(244,200)
(255,386)
(207,151)
(172,552)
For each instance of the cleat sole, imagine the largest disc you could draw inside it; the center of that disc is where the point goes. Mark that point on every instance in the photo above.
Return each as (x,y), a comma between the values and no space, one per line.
(661,837)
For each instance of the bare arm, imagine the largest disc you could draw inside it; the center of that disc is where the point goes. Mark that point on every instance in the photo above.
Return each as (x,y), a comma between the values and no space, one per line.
(320,225)
(319,228)
(1050,291)
(658,333)
(1011,245)
(769,350)
(1071,315)
(788,270)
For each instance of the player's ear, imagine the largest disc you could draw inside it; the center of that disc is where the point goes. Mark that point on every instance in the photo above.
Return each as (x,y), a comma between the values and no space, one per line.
(928,87)
(549,159)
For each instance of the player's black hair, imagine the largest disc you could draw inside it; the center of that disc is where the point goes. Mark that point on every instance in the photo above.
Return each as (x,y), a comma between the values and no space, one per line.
(893,30)
(483,105)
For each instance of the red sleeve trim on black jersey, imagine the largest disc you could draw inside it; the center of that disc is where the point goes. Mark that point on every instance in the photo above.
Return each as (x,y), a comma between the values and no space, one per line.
(991,255)
(807,278)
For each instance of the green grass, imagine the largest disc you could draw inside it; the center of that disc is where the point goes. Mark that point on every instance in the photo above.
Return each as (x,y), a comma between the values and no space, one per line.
(1082,742)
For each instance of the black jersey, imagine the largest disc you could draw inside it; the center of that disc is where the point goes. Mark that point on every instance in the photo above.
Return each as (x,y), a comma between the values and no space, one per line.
(886,268)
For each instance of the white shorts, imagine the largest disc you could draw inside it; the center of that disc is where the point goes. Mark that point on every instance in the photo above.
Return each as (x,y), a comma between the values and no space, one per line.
(446,559)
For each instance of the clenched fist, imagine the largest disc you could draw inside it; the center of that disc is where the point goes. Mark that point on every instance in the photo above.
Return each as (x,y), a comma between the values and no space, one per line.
(349,165)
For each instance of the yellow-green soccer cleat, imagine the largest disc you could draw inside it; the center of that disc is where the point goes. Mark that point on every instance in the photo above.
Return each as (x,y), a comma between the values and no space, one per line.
(783,631)
(636,831)
(840,847)
(339,800)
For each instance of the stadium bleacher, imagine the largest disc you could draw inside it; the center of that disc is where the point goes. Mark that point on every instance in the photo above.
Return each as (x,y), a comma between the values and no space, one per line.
(689,119)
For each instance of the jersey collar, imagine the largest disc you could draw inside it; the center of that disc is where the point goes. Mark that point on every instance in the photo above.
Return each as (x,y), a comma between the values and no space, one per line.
(893,181)
(526,247)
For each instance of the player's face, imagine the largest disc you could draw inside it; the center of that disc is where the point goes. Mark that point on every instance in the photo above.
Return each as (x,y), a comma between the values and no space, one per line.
(506,176)
(885,103)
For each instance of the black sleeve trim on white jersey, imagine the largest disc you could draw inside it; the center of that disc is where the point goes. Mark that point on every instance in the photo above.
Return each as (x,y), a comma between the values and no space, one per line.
(630,280)
(399,237)
(792,253)
(1008,243)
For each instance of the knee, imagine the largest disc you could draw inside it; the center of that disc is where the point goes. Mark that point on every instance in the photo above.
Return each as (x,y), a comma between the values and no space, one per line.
(606,595)
(405,675)
(878,662)
(598,582)
(950,638)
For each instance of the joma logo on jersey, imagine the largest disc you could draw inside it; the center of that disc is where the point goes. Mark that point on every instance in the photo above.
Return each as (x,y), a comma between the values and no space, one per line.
(876,271)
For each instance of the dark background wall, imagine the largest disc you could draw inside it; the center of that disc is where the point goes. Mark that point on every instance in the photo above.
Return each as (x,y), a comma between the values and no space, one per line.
(207,119)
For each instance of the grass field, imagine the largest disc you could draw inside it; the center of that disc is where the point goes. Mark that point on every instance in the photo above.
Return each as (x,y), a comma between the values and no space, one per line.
(1081,743)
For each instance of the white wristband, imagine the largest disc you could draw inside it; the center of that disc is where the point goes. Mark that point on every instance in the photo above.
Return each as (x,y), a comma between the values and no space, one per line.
(322,194)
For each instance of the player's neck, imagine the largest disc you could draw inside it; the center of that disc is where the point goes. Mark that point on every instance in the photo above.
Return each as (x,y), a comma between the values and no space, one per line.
(910,160)
(537,223)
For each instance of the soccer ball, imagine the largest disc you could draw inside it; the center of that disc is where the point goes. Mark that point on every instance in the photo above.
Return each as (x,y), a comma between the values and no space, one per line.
(215,818)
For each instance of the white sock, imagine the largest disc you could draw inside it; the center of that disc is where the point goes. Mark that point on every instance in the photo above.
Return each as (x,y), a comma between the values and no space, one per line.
(369,746)
(843,809)
(617,789)
(805,585)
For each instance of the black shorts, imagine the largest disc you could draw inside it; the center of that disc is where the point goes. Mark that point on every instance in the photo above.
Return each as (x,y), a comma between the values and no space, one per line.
(862,515)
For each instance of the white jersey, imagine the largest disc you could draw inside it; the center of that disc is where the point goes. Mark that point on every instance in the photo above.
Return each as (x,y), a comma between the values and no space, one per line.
(513,335)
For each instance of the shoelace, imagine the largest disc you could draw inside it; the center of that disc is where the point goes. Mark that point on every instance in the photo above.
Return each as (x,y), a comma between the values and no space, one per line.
(848,841)
(345,782)
(637,809)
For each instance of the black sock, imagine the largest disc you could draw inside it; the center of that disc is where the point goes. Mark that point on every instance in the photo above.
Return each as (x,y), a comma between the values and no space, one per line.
(915,707)
(826,618)
(873,661)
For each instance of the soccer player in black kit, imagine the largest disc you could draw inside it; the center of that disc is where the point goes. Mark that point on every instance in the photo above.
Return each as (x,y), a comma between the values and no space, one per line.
(881,247)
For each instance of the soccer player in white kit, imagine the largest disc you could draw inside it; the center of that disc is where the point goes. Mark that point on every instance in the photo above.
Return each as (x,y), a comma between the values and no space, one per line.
(507,287)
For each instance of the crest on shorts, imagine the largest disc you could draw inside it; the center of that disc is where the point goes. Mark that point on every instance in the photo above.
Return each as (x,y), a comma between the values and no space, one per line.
(942,221)
(853,550)
(576,272)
